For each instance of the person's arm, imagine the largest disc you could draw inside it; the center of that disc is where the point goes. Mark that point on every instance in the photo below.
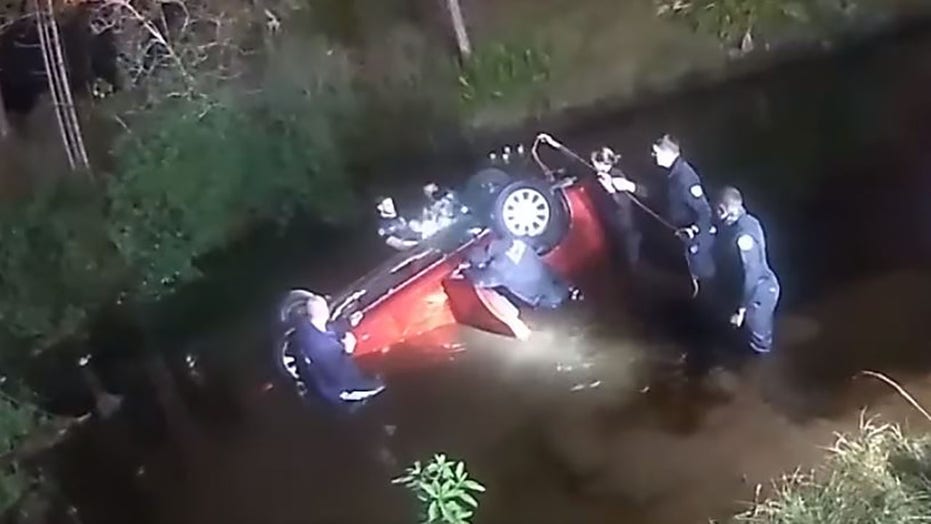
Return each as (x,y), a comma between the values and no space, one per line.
(750,259)
(699,208)
(399,243)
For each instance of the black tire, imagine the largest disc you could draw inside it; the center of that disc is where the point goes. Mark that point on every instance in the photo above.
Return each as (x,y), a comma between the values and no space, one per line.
(545,232)
(285,359)
(481,191)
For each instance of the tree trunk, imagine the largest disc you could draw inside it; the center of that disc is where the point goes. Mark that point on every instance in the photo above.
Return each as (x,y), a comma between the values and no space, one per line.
(459,27)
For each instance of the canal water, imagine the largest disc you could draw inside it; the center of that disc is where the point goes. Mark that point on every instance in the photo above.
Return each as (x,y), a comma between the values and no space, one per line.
(591,421)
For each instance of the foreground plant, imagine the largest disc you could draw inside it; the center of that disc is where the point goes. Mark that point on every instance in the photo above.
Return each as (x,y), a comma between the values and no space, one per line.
(444,489)
(878,476)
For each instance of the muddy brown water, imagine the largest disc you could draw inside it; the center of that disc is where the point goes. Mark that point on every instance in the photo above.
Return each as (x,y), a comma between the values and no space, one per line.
(591,422)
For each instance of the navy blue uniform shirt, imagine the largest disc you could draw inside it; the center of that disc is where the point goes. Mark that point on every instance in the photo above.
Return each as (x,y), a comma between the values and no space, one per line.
(687,202)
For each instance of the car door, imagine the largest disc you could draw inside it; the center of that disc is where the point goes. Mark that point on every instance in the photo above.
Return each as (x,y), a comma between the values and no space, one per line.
(483,309)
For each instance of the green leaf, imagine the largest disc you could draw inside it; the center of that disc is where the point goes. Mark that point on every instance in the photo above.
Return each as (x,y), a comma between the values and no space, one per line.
(431,490)
(433,511)
(448,510)
(460,470)
(446,470)
(469,499)
(473,485)
(445,489)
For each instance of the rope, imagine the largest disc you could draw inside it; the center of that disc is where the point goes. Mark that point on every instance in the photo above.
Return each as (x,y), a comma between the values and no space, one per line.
(541,138)
(572,154)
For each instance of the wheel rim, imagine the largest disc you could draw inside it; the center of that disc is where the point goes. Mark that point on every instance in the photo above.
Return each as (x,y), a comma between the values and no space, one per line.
(288,361)
(526,212)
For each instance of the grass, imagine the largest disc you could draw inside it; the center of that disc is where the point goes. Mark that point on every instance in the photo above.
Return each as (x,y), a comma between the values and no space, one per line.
(878,476)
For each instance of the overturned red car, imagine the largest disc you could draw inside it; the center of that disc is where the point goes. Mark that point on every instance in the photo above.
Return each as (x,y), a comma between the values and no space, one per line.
(407,301)
(419,291)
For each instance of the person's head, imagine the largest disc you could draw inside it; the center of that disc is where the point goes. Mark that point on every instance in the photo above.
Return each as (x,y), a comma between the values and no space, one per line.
(730,205)
(385,206)
(604,159)
(317,309)
(666,151)
(431,191)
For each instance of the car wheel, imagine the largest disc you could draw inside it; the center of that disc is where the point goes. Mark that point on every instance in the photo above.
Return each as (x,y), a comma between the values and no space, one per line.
(533,212)
(286,362)
(482,189)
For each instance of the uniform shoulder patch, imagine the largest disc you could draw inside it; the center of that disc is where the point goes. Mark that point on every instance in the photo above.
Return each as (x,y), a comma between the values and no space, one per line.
(745,242)
(696,191)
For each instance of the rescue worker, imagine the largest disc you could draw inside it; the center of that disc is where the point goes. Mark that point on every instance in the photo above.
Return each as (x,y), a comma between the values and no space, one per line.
(323,354)
(513,265)
(742,245)
(443,201)
(442,210)
(687,208)
(396,232)
(618,212)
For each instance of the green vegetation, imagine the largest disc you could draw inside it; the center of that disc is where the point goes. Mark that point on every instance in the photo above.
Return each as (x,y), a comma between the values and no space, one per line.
(879,476)
(443,488)
(192,181)
(56,263)
(730,21)
(502,71)
(17,421)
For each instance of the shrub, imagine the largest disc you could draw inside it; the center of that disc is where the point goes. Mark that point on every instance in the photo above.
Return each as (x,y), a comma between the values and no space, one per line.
(444,489)
(56,263)
(879,476)
(17,420)
(197,176)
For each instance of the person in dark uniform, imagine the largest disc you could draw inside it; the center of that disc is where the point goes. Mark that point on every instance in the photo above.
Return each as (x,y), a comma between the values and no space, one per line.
(396,232)
(742,248)
(687,209)
(616,208)
(513,265)
(321,352)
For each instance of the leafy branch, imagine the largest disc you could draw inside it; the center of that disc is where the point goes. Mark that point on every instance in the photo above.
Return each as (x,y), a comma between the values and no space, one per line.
(444,488)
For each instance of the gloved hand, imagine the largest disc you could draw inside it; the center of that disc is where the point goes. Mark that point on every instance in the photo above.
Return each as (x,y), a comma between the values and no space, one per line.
(606,182)
(687,233)
(349,343)
(737,319)
(623,184)
(549,140)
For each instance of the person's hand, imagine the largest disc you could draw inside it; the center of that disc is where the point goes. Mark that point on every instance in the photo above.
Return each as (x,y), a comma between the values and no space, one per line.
(737,319)
(355,318)
(349,343)
(606,182)
(549,140)
(623,184)
(687,233)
